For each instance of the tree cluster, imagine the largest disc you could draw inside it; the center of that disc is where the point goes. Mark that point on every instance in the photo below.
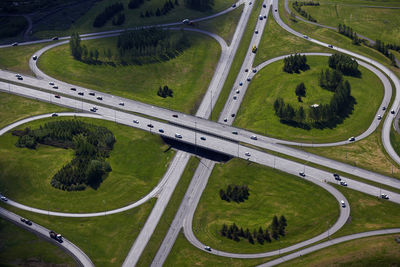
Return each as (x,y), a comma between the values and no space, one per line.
(295,63)
(348,31)
(384,49)
(277,229)
(135,4)
(107,14)
(75,46)
(237,193)
(12,26)
(297,6)
(201,5)
(150,45)
(165,91)
(167,7)
(92,145)
(345,64)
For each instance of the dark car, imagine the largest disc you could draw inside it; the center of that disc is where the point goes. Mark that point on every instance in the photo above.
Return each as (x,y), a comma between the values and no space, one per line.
(20,78)
(55,38)
(264,5)
(246,70)
(73,89)
(54,115)
(330,46)
(175,116)
(203,138)
(254,70)
(302,174)
(15,44)
(80,93)
(99,98)
(91,93)
(337,177)
(28,222)
(57,96)
(22,219)
(249,79)
(161,130)
(233,115)
(150,125)
(234,5)
(34,57)
(343,183)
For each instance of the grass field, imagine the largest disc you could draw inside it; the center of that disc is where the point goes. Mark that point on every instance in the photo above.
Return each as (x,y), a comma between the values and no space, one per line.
(278,42)
(395,140)
(366,154)
(334,38)
(138,160)
(22,248)
(188,75)
(16,58)
(238,60)
(15,108)
(257,113)
(152,247)
(277,192)
(374,23)
(84,24)
(105,239)
(224,25)
(371,251)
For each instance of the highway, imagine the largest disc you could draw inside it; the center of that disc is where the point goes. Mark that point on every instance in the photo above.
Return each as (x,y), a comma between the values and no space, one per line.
(80,257)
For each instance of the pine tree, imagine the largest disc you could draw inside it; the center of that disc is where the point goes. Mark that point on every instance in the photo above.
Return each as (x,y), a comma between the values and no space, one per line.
(251,240)
(267,236)
(224,230)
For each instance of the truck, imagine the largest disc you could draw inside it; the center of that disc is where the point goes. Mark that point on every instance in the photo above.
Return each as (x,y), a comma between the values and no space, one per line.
(56,236)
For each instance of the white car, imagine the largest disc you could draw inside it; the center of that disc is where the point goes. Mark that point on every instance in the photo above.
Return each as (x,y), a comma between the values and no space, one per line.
(136,121)
(343,204)
(4,198)
(253,137)
(384,196)
(34,57)
(178,136)
(51,83)
(351,139)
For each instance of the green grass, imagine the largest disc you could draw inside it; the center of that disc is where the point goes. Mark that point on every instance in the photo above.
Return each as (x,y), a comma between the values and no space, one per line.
(271,193)
(20,247)
(188,75)
(105,239)
(395,140)
(138,160)
(17,58)
(371,251)
(257,114)
(334,38)
(238,60)
(224,25)
(169,214)
(132,17)
(15,108)
(374,23)
(277,42)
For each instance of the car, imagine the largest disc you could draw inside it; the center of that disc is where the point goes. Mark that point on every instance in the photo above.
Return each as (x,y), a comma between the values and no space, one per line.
(99,98)
(240,83)
(161,130)
(136,121)
(246,70)
(233,115)
(91,93)
(150,125)
(185,21)
(80,93)
(234,5)
(384,196)
(237,91)
(260,17)
(14,44)
(22,219)
(392,111)
(17,75)
(207,247)
(337,177)
(265,16)
(383,108)
(253,137)
(249,3)
(55,38)
(234,132)
(256,31)
(175,116)
(203,138)
(34,57)
(330,46)
(379,117)
(93,110)
(342,203)
(305,36)
(302,174)
(234,97)
(351,139)
(20,78)
(4,198)
(264,5)
(54,115)
(57,96)
(51,83)
(343,183)
(276,10)
(28,222)
(225,119)
(121,104)
(73,89)
(248,79)
(254,70)
(178,136)
(247,154)
(55,87)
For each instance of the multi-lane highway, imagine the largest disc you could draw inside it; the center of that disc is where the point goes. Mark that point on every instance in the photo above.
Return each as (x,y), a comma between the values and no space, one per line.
(201,132)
